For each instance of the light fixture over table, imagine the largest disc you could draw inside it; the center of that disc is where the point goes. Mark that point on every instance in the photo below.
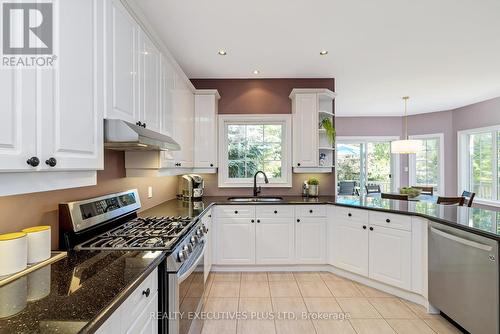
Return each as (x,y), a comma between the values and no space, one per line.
(405,146)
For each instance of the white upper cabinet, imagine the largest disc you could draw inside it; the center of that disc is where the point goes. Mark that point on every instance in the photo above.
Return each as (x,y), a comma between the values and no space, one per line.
(72,92)
(183,119)
(308,108)
(122,64)
(205,128)
(150,102)
(18,130)
(305,140)
(166,87)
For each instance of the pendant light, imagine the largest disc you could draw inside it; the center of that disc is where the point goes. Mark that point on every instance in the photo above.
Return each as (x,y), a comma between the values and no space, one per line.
(405,146)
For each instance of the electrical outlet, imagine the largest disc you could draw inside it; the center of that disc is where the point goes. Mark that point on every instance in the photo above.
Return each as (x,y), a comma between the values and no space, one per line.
(150,192)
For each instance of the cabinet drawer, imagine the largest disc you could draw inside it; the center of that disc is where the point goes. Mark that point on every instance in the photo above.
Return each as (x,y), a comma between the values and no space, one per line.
(236,211)
(135,304)
(390,220)
(310,210)
(271,211)
(348,214)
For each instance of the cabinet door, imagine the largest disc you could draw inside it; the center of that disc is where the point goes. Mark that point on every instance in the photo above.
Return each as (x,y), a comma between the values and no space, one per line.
(122,64)
(167,85)
(390,256)
(18,131)
(275,240)
(310,236)
(72,92)
(207,221)
(235,241)
(112,324)
(145,323)
(350,246)
(305,130)
(150,83)
(205,134)
(183,108)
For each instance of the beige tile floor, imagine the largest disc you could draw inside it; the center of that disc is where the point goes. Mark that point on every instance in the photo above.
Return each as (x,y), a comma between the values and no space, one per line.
(369,311)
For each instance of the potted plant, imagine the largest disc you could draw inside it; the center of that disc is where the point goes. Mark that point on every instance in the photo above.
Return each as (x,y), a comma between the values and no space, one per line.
(313,187)
(326,123)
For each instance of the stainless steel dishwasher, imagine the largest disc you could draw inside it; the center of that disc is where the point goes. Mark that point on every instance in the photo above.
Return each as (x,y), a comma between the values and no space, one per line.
(463,278)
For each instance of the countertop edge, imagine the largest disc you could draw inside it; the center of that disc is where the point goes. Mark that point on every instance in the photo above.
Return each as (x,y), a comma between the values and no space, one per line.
(94,324)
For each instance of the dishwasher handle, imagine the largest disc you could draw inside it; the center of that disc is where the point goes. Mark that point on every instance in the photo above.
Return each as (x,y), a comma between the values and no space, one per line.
(463,241)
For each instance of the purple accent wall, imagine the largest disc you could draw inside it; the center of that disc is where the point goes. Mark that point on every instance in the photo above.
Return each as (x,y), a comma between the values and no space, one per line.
(482,114)
(262,96)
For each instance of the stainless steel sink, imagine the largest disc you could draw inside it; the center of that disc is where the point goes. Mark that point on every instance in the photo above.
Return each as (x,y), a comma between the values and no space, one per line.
(255,199)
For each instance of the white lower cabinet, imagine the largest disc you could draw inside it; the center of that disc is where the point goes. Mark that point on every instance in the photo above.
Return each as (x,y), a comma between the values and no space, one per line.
(236,241)
(134,314)
(350,246)
(390,256)
(310,245)
(274,241)
(207,221)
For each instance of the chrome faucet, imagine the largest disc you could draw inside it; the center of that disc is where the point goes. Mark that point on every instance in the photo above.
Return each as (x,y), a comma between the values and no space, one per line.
(256,190)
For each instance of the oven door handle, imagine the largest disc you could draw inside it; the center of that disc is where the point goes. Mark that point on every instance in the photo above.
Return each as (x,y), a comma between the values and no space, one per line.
(185,275)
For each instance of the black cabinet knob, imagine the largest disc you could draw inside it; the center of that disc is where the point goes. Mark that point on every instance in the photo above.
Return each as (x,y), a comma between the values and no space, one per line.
(371,228)
(211,165)
(33,161)
(144,125)
(258,220)
(298,164)
(252,221)
(180,164)
(236,212)
(387,220)
(146,292)
(310,211)
(364,227)
(275,211)
(349,214)
(138,123)
(298,220)
(52,162)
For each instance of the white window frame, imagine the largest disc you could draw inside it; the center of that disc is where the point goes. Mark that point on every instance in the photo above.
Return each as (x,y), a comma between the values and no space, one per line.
(286,168)
(463,159)
(395,161)
(412,172)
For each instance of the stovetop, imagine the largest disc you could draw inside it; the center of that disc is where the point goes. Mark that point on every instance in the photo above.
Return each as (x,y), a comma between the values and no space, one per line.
(149,233)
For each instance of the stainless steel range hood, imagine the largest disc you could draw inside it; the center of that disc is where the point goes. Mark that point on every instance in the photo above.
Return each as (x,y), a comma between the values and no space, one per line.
(124,136)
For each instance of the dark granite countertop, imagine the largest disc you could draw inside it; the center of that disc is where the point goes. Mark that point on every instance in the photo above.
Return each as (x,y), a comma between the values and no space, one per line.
(83,290)
(475,220)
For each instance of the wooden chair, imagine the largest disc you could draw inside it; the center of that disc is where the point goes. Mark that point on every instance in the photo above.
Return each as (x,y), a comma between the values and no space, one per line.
(451,200)
(373,189)
(425,190)
(469,197)
(394,196)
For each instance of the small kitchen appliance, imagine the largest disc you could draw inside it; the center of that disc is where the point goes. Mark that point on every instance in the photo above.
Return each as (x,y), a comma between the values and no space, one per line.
(191,187)
(111,223)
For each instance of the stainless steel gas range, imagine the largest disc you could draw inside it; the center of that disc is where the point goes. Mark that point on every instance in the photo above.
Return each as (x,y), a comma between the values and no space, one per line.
(111,223)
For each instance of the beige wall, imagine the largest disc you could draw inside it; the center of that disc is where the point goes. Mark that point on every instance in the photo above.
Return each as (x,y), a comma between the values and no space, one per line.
(20,211)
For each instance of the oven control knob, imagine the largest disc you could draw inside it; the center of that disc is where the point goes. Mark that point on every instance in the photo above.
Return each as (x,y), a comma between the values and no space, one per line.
(205,229)
(194,240)
(182,256)
(187,248)
(199,232)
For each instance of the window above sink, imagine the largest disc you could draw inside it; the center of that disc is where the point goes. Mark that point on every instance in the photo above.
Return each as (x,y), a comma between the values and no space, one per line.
(249,143)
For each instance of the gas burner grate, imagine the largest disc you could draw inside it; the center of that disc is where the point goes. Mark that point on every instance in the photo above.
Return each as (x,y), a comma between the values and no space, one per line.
(142,233)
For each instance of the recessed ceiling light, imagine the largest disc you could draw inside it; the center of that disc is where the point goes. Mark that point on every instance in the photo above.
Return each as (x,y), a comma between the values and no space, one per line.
(222,52)
(323,52)
(256,71)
